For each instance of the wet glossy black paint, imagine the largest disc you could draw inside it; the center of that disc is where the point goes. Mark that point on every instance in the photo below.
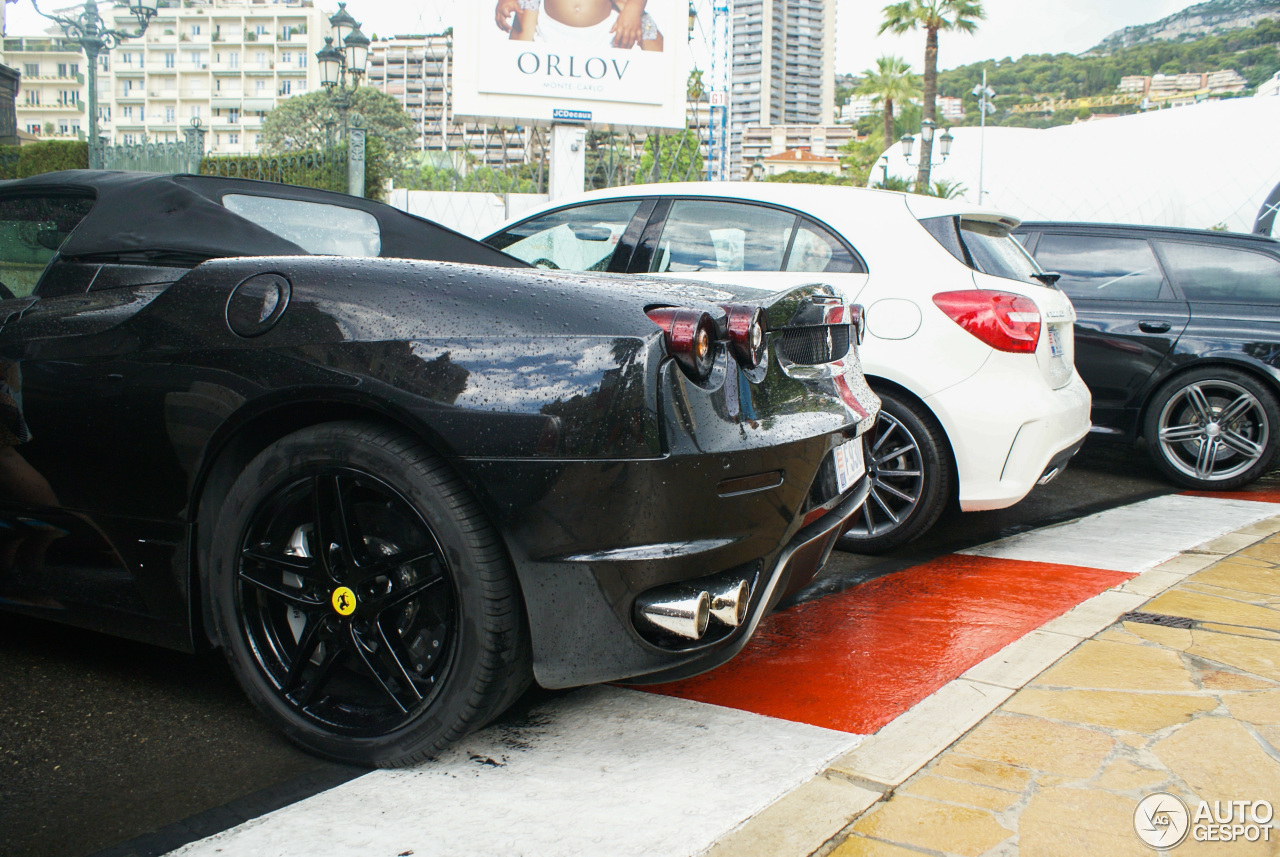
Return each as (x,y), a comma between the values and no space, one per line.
(549,393)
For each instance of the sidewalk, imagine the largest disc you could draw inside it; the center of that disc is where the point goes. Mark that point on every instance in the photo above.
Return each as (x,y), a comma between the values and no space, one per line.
(1180,696)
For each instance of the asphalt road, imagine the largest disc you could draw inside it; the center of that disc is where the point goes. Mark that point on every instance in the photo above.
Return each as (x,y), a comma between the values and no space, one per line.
(112,747)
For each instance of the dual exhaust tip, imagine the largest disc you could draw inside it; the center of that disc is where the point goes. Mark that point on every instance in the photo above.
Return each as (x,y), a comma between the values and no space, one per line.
(688,613)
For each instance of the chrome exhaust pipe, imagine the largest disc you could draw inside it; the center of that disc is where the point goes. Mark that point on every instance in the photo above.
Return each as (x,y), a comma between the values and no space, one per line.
(685,615)
(729,603)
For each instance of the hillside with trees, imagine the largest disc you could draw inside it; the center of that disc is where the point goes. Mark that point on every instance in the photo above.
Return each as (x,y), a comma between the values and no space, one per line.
(1253,51)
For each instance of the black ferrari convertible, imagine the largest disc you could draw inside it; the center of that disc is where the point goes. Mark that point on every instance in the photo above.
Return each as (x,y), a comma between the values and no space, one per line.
(394,474)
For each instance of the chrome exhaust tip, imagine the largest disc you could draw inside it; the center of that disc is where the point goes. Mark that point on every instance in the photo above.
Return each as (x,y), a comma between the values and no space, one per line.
(729,603)
(1049,476)
(685,615)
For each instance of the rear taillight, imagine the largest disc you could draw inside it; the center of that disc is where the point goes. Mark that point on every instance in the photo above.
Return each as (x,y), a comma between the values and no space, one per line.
(1003,320)
(746,330)
(690,338)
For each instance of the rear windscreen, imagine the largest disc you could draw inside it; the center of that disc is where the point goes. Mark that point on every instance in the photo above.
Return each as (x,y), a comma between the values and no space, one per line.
(984,246)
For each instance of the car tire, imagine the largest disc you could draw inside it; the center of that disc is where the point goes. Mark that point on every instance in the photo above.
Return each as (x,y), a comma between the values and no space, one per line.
(1213,428)
(912,477)
(401,636)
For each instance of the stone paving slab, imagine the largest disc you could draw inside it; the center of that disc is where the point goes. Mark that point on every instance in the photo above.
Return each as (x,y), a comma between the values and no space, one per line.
(1047,747)
(1060,766)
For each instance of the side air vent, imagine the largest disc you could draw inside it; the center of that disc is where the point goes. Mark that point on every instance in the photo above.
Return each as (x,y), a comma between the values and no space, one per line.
(810,346)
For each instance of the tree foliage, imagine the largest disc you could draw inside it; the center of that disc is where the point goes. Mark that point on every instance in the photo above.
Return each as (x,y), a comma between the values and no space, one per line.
(932,16)
(890,82)
(802,177)
(1252,51)
(680,160)
(297,124)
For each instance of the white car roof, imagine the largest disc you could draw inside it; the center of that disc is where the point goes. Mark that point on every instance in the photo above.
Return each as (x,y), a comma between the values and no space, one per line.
(825,202)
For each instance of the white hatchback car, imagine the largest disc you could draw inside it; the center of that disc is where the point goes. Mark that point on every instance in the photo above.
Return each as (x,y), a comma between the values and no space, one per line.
(968,343)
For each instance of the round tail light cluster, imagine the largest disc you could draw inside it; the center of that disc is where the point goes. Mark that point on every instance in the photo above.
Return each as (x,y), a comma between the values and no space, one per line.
(691,336)
(746,333)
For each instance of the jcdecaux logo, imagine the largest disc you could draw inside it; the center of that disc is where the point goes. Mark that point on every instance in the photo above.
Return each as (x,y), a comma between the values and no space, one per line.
(1163,821)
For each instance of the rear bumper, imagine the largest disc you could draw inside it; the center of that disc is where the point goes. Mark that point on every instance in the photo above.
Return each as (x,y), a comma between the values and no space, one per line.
(588,538)
(795,565)
(1005,426)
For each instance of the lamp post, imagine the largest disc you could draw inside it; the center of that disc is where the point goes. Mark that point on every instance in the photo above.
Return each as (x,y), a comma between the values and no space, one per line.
(927,130)
(94,37)
(338,63)
(985,94)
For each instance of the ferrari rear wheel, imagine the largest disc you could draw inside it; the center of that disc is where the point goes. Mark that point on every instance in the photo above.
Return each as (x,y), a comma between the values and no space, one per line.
(362,599)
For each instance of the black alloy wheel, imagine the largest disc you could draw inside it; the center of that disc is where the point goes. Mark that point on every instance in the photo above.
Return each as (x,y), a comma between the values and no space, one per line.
(362,598)
(1213,428)
(909,466)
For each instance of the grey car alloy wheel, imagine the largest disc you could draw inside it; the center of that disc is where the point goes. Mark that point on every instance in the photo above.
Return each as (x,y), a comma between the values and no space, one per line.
(1213,430)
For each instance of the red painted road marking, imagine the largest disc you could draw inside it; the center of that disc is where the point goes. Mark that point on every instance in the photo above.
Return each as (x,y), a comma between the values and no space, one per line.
(856,660)
(1261,495)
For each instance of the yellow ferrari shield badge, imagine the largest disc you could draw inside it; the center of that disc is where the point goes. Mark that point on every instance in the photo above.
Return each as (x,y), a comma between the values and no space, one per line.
(344,601)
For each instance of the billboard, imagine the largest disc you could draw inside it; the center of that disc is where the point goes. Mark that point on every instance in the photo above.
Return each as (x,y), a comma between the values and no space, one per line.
(618,63)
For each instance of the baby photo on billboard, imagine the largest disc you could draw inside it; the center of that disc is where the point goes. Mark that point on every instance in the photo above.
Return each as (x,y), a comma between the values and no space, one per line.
(581,24)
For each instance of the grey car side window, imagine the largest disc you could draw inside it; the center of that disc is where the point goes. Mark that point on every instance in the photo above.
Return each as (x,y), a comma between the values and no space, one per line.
(1102,268)
(1223,274)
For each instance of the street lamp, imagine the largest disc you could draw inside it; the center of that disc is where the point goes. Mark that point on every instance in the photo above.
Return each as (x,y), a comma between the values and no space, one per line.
(94,37)
(338,62)
(348,57)
(927,130)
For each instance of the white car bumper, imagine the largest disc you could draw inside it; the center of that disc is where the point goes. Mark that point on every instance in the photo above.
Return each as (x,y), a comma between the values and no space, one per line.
(1003,447)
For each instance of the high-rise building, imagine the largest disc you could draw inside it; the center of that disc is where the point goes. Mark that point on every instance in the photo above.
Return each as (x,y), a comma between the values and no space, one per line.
(416,71)
(783,66)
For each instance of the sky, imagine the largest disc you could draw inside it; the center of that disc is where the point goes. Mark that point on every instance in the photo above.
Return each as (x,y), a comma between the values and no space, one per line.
(1012,27)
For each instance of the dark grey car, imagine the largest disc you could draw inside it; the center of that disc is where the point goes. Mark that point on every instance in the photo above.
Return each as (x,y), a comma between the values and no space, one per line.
(1178,338)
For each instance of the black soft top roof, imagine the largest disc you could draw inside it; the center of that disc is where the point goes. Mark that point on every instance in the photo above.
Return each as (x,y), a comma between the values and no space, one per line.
(183,215)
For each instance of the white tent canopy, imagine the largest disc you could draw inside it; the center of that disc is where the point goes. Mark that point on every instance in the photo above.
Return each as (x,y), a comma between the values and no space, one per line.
(1198,166)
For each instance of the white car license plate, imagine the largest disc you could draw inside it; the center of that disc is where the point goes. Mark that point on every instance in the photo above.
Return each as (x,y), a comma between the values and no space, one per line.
(1055,341)
(849,464)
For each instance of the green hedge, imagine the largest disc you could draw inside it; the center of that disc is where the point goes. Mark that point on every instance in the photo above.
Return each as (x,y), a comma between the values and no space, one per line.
(19,162)
(324,171)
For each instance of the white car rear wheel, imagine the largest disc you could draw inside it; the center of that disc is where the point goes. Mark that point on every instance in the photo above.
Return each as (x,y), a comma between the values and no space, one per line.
(910,468)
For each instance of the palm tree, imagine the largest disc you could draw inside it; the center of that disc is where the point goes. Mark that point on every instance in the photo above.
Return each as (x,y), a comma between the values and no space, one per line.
(931,16)
(891,81)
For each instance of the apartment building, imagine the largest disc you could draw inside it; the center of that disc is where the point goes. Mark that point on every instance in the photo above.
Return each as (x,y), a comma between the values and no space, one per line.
(224,62)
(783,67)
(760,143)
(1173,86)
(1135,84)
(51,98)
(416,71)
(1270,87)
